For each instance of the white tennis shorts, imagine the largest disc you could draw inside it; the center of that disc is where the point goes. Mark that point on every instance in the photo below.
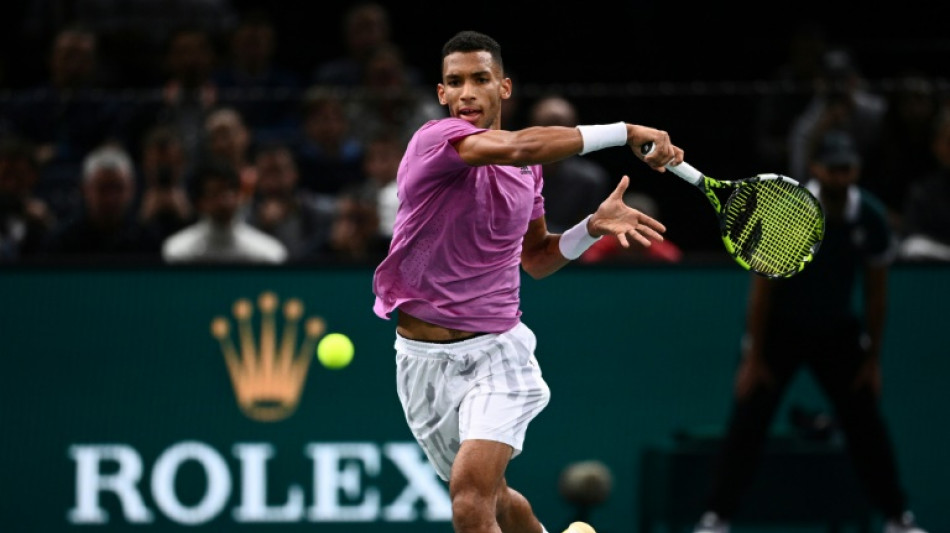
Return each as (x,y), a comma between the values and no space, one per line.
(487,387)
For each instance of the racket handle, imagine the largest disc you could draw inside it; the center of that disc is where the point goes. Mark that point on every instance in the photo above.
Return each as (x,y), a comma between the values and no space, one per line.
(684,170)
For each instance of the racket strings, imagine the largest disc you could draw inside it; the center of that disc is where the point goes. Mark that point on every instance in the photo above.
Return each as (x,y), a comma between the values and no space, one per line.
(773,225)
(780,239)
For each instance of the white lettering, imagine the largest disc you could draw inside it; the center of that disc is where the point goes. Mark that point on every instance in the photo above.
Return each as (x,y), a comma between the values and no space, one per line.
(90,482)
(216,472)
(344,484)
(331,477)
(253,506)
(424,484)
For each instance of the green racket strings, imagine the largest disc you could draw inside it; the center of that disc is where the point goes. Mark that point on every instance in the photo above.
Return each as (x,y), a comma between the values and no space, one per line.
(773,226)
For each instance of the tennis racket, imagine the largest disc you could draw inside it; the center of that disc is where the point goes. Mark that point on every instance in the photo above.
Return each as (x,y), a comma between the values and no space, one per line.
(770,224)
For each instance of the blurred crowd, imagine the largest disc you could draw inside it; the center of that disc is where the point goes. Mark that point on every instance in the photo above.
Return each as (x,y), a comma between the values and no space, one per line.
(221,154)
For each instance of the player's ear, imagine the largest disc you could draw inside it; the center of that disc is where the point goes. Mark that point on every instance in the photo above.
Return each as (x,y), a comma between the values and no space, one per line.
(440,91)
(506,88)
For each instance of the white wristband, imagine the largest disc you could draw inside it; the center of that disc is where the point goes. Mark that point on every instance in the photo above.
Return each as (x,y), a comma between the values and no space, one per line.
(575,241)
(603,136)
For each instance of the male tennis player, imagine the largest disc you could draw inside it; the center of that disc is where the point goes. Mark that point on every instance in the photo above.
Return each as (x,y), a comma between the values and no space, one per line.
(470,211)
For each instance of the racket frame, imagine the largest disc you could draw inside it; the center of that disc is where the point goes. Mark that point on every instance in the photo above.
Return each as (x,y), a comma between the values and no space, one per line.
(709,185)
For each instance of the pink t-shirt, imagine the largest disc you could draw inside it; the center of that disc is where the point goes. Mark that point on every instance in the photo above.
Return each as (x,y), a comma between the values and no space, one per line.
(455,256)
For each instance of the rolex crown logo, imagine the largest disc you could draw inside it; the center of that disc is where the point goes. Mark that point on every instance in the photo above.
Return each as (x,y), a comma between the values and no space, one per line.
(268,376)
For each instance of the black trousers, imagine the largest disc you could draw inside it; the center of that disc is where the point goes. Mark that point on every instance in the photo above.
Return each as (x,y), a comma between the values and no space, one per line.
(834,358)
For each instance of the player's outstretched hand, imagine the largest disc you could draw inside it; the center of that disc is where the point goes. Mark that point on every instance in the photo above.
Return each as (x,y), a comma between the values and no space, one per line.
(614,217)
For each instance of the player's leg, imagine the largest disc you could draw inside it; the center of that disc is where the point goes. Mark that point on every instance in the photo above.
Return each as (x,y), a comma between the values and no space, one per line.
(469,404)
(493,421)
(482,502)
(514,511)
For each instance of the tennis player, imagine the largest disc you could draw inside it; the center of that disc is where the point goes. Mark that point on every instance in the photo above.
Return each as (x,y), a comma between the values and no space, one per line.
(470,212)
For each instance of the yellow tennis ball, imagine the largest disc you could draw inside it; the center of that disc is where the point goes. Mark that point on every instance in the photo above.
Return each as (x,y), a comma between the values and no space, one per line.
(335,350)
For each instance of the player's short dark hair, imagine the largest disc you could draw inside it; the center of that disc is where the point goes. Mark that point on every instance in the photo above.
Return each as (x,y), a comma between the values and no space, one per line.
(473,41)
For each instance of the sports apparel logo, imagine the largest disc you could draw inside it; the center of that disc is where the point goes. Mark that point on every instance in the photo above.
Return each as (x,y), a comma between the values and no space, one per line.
(268,377)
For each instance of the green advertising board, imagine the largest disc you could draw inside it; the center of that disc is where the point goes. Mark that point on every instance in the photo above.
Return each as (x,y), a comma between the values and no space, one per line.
(155,399)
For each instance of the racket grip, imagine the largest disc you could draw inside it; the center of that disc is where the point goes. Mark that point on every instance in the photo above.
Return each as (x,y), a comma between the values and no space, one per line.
(684,170)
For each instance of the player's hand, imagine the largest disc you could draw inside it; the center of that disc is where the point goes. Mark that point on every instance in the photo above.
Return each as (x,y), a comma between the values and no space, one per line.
(614,217)
(664,152)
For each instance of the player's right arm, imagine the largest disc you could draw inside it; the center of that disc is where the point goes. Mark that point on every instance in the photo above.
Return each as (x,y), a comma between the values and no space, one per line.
(545,144)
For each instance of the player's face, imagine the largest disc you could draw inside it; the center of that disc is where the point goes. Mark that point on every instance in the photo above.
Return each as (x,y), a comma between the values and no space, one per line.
(473,88)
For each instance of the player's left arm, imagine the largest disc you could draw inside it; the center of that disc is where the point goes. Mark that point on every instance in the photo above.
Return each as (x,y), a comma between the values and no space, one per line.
(540,256)
(543,253)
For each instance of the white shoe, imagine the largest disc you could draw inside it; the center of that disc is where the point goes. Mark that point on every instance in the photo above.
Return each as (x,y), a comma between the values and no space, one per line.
(579,527)
(904,524)
(711,523)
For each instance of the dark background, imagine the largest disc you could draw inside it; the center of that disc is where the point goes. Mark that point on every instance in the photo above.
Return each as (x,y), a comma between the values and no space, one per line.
(584,42)
(689,68)
(598,41)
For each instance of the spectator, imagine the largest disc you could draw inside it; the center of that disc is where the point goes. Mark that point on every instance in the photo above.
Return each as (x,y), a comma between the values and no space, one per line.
(381,164)
(793,85)
(132,32)
(229,140)
(365,26)
(65,118)
(165,204)
(927,206)
(187,94)
(841,102)
(904,151)
(575,186)
(107,227)
(263,93)
(387,99)
(355,237)
(220,235)
(25,220)
(298,218)
(329,154)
